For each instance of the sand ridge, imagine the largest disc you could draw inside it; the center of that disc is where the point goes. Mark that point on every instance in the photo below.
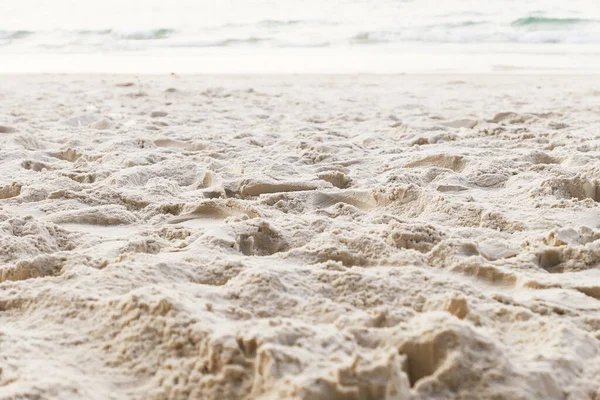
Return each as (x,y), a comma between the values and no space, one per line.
(302,237)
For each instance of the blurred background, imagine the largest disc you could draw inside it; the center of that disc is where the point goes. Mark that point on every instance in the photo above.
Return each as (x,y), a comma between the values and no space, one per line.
(334,36)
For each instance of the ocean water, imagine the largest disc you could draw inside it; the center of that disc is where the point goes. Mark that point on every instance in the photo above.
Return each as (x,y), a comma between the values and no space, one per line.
(271,36)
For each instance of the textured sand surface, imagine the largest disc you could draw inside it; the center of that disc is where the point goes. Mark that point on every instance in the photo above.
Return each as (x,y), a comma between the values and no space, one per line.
(299,237)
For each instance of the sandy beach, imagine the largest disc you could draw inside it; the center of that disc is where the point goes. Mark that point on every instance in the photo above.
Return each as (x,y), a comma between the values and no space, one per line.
(299,237)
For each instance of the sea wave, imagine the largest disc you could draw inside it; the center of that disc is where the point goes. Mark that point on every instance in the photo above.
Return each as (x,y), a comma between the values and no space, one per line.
(161,33)
(150,34)
(310,33)
(546,23)
(14,34)
(531,29)
(236,42)
(441,36)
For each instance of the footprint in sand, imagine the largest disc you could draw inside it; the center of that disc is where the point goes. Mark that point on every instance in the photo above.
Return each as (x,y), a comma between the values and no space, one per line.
(209,213)
(104,221)
(454,162)
(7,129)
(362,200)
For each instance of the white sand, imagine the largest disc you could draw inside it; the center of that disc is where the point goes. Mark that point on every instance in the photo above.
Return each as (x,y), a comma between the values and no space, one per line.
(299,237)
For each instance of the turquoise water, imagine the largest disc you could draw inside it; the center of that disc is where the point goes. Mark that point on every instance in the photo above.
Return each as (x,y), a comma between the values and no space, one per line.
(345,28)
(110,25)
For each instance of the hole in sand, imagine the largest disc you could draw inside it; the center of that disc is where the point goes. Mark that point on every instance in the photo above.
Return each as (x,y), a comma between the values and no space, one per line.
(207,214)
(454,162)
(69,154)
(360,199)
(579,188)
(7,129)
(550,259)
(112,231)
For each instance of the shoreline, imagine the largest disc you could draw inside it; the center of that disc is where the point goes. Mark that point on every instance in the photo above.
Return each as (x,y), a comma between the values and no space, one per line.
(375,59)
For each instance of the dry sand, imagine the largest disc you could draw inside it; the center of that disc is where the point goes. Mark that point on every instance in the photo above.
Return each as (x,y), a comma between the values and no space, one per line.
(366,237)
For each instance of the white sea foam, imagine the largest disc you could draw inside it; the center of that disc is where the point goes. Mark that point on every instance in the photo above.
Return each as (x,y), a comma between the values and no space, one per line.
(113,27)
